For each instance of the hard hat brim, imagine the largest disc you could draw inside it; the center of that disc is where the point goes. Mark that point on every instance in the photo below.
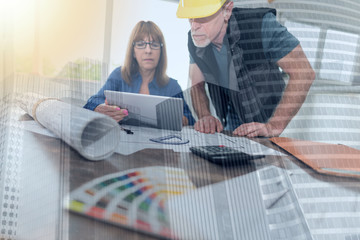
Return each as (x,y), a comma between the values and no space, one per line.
(197,12)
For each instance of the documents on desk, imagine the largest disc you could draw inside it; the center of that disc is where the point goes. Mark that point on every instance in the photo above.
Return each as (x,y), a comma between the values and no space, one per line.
(131,143)
(142,135)
(96,136)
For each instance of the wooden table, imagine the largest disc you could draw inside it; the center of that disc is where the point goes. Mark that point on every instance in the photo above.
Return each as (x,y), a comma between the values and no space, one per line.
(42,155)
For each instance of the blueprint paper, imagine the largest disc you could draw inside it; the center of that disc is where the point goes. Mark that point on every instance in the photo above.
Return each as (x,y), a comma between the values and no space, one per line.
(94,135)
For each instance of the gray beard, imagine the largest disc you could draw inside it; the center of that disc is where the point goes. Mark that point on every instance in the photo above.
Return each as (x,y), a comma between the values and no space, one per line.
(205,44)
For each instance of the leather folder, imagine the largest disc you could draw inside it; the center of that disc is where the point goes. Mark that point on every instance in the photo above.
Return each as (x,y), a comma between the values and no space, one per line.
(333,159)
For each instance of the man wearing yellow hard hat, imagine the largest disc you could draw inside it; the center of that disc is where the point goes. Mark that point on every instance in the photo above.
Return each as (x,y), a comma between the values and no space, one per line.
(237,52)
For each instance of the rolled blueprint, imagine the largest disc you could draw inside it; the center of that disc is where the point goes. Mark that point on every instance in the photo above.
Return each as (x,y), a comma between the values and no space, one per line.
(95,136)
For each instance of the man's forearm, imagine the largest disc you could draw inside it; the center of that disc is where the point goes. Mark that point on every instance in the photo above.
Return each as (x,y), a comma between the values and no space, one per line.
(200,100)
(301,77)
(292,100)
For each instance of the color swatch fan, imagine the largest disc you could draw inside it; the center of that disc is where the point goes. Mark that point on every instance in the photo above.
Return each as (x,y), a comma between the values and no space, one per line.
(134,198)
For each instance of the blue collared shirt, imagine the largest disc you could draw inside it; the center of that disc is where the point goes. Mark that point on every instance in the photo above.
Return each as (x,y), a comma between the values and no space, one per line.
(115,82)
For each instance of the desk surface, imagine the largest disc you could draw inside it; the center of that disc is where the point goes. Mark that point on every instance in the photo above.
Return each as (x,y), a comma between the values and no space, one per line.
(50,169)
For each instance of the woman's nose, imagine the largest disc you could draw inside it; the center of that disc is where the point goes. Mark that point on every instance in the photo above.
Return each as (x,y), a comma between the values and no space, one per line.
(148,48)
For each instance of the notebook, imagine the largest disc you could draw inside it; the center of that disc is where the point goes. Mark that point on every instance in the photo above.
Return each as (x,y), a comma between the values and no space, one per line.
(334,159)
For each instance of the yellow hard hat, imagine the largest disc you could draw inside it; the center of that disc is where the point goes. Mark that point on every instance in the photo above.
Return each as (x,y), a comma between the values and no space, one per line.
(198,8)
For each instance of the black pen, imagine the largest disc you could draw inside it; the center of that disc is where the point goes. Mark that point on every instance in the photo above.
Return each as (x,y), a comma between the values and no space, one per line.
(128,131)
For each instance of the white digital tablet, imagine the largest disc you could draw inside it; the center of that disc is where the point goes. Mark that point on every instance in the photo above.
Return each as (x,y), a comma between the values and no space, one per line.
(149,110)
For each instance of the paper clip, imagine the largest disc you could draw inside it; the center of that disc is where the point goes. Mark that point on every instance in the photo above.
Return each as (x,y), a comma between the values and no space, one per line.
(170,139)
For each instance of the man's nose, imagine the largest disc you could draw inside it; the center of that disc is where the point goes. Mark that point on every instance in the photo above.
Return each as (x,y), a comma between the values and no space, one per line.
(194,24)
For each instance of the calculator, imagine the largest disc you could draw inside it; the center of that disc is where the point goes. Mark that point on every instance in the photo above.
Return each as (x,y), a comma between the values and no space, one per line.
(223,155)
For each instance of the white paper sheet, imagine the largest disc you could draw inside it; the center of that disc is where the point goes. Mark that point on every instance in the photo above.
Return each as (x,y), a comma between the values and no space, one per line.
(35,127)
(130,143)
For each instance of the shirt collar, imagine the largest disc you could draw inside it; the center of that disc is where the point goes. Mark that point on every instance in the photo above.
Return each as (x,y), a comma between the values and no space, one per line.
(153,83)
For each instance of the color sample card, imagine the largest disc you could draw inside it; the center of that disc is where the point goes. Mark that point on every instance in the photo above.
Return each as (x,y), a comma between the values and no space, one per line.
(133,198)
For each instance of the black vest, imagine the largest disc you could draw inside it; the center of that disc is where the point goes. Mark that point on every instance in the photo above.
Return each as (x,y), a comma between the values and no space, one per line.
(259,80)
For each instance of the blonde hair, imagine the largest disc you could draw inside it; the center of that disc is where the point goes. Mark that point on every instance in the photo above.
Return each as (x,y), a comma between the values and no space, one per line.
(142,30)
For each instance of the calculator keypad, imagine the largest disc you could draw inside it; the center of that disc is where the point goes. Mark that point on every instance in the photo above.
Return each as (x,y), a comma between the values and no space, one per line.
(221,154)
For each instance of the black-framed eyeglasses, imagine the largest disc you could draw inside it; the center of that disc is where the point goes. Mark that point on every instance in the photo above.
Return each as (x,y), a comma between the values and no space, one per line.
(142,45)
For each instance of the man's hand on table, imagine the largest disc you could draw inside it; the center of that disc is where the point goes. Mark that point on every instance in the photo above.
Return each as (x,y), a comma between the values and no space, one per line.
(256,129)
(208,124)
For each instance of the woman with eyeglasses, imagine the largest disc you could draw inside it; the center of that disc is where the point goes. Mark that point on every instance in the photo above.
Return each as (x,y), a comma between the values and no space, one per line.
(144,71)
